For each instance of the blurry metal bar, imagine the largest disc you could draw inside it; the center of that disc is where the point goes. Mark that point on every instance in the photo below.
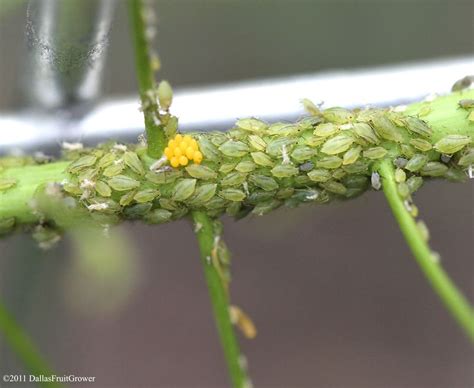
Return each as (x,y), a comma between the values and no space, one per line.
(66,40)
(218,107)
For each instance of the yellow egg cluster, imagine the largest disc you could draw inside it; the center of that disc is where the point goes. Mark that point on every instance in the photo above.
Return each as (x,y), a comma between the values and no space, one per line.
(182,149)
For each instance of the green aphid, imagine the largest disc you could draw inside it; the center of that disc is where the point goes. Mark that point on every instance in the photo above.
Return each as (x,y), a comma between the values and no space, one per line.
(386,129)
(171,127)
(467,158)
(227,167)
(463,83)
(400,175)
(258,196)
(82,163)
(334,187)
(6,225)
(374,153)
(284,171)
(123,183)
(89,174)
(168,204)
(357,167)
(218,138)
(319,175)
(264,182)
(421,144)
(330,162)
(265,207)
(434,169)
(137,211)
(285,193)
(127,198)
(203,194)
(403,190)
(7,183)
(425,110)
(106,160)
(276,147)
(208,149)
(72,188)
(407,150)
(365,131)
(234,149)
(339,174)
(233,179)
(311,107)
(423,230)
(303,153)
(131,160)
(416,163)
(337,144)
(314,141)
(159,178)
(146,195)
(257,143)
(184,189)
(234,195)
(351,155)
(452,143)
(326,130)
(233,209)
(216,204)
(199,171)
(356,182)
(302,181)
(418,126)
(237,134)
(165,95)
(455,175)
(251,125)
(245,166)
(113,170)
(284,129)
(414,183)
(262,159)
(103,189)
(158,216)
(470,117)
(338,115)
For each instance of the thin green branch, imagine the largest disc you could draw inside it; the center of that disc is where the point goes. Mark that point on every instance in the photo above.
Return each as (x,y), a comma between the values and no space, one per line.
(145,68)
(205,232)
(24,348)
(449,294)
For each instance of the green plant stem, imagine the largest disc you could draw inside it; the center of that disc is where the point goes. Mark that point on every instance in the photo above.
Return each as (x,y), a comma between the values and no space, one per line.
(22,345)
(146,79)
(220,303)
(452,298)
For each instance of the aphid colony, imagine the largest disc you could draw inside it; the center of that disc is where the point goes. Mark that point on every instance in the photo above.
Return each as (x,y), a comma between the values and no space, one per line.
(256,167)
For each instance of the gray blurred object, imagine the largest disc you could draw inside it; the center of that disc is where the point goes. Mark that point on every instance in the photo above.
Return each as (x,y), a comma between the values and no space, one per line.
(67,40)
(217,107)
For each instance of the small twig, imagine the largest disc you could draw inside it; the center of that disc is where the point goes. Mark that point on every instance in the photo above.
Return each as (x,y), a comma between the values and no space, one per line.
(22,345)
(205,233)
(145,69)
(449,294)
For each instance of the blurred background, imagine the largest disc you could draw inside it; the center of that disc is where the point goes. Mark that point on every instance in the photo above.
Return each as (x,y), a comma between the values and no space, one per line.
(336,297)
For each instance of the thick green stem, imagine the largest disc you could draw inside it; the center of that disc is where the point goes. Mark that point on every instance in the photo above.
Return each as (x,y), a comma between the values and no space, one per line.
(452,298)
(146,79)
(205,233)
(22,345)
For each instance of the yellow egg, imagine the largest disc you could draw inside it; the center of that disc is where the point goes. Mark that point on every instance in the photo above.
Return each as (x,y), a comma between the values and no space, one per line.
(197,157)
(183,160)
(171,143)
(194,144)
(183,145)
(174,161)
(177,152)
(190,153)
(178,138)
(168,152)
